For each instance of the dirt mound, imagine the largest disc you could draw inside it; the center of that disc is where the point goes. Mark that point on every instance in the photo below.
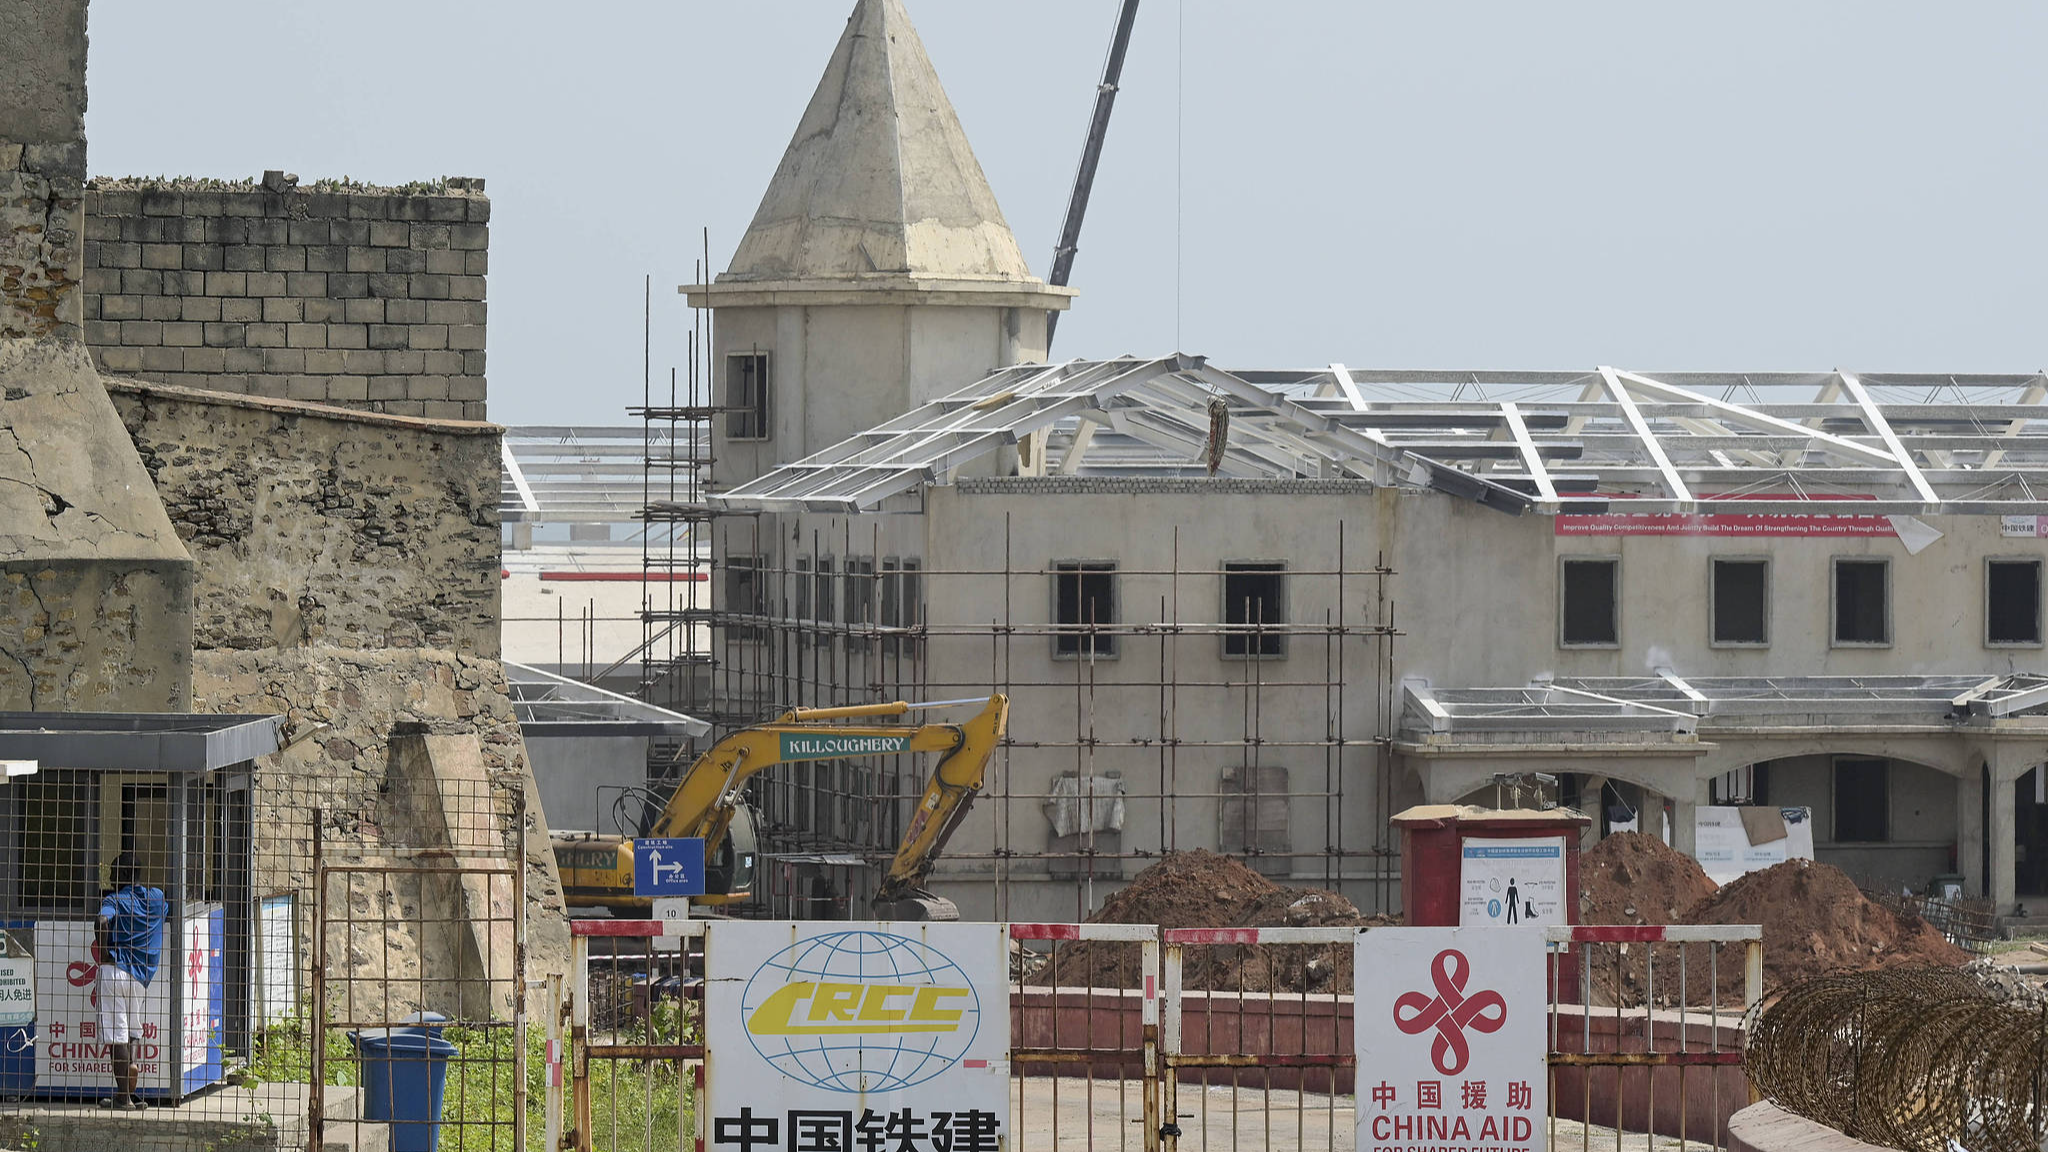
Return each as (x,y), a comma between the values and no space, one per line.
(1815,921)
(1631,878)
(1201,889)
(1198,889)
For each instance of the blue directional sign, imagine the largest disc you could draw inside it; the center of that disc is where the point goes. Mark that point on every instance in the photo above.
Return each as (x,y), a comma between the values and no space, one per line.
(672,867)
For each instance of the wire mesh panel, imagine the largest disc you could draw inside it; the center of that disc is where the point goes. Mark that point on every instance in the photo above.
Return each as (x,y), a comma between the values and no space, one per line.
(1258,1044)
(1646,1028)
(636,1042)
(1084,1006)
(419,972)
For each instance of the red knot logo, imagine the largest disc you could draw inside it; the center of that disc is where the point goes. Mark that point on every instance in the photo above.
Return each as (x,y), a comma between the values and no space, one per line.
(1451,1012)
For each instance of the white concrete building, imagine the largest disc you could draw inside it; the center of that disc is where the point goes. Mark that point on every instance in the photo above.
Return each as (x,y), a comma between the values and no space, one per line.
(1260,611)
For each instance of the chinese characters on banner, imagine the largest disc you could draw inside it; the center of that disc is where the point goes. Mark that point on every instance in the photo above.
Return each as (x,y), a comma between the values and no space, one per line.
(1450,1038)
(1507,881)
(69,1050)
(857,1037)
(1621,522)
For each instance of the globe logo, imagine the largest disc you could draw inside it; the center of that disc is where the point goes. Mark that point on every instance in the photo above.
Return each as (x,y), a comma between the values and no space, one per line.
(860,1011)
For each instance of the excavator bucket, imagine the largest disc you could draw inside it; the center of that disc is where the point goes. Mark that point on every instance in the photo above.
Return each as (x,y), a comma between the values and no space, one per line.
(916,906)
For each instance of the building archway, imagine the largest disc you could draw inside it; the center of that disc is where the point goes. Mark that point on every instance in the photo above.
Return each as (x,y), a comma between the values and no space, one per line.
(1885,820)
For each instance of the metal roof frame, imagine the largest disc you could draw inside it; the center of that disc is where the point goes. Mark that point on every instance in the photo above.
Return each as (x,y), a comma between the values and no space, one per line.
(554,706)
(1666,700)
(1608,439)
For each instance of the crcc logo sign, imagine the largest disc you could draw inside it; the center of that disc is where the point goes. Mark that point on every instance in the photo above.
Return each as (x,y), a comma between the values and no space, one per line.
(861,1011)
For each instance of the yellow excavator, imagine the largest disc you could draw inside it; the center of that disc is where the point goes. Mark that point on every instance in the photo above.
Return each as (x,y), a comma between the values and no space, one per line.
(707,803)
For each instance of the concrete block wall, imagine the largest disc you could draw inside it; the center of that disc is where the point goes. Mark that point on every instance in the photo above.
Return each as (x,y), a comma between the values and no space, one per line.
(363,297)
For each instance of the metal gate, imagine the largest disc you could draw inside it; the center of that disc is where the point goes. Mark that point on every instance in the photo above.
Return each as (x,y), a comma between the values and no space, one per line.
(1259,1052)
(1084,1006)
(411,957)
(634,1011)
(1645,1030)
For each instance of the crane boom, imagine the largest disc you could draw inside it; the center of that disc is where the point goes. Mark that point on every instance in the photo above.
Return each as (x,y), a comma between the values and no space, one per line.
(1091,157)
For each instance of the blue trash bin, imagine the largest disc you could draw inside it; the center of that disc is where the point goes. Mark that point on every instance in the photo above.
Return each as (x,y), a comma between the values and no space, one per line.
(404,1073)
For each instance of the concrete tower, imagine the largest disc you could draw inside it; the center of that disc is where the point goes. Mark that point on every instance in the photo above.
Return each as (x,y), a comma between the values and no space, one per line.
(878,271)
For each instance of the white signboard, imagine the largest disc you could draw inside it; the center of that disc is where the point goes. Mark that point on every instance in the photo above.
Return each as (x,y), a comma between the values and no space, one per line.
(837,1036)
(69,1051)
(17,977)
(1450,1039)
(1511,882)
(2023,526)
(276,937)
(1722,847)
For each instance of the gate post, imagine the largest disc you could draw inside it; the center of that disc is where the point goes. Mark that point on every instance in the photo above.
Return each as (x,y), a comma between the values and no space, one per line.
(579,1039)
(1148,967)
(551,1139)
(1167,1134)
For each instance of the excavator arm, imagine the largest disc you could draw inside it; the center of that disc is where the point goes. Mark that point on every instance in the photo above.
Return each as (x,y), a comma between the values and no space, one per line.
(707,800)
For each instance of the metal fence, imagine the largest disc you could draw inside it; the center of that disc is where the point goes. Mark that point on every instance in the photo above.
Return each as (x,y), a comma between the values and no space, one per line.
(1646,1032)
(1134,1039)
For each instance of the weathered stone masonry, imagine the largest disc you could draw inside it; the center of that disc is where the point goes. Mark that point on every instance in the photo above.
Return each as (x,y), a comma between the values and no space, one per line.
(362,297)
(318,527)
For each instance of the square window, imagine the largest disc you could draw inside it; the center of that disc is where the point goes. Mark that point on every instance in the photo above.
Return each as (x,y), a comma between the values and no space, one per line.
(2012,602)
(1863,801)
(1741,603)
(1254,601)
(860,591)
(1586,615)
(1084,603)
(745,596)
(1862,602)
(746,396)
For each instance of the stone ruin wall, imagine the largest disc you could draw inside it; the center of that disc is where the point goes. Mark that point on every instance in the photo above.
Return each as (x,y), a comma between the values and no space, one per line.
(363,297)
(347,578)
(315,528)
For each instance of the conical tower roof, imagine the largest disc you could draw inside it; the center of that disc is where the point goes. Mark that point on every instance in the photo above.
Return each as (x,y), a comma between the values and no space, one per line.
(879,181)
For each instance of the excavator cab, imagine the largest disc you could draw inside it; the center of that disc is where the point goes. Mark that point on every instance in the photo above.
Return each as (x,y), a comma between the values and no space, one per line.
(729,873)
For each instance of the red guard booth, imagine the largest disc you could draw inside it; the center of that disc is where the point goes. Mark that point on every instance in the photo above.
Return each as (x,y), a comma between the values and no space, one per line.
(1493,867)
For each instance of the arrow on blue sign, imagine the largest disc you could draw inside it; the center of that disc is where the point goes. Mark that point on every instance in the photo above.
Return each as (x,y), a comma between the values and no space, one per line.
(668,867)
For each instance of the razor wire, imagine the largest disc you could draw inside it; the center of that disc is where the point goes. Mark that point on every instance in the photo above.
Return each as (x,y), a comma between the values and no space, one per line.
(1910,1058)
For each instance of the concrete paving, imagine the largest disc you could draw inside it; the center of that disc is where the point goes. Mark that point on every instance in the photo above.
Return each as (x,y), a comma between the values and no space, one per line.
(1053,1115)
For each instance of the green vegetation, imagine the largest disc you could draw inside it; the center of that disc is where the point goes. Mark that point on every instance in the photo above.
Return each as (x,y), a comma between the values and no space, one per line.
(629,1099)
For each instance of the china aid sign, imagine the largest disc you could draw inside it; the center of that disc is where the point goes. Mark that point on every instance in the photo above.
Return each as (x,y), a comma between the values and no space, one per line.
(1450,1036)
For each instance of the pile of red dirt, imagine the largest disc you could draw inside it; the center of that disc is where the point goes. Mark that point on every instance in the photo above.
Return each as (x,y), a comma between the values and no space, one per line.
(1816,921)
(1632,878)
(1202,889)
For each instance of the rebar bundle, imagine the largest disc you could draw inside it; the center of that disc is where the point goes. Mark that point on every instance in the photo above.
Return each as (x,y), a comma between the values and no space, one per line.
(1910,1058)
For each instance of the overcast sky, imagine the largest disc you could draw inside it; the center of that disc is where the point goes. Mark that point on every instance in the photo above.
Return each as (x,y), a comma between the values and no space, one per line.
(1760,184)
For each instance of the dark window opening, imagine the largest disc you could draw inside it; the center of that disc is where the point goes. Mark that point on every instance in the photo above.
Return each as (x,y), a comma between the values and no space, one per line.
(1589,602)
(1254,600)
(902,606)
(1751,785)
(1084,599)
(2012,589)
(1741,598)
(1863,801)
(746,396)
(1861,615)
(745,597)
(860,591)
